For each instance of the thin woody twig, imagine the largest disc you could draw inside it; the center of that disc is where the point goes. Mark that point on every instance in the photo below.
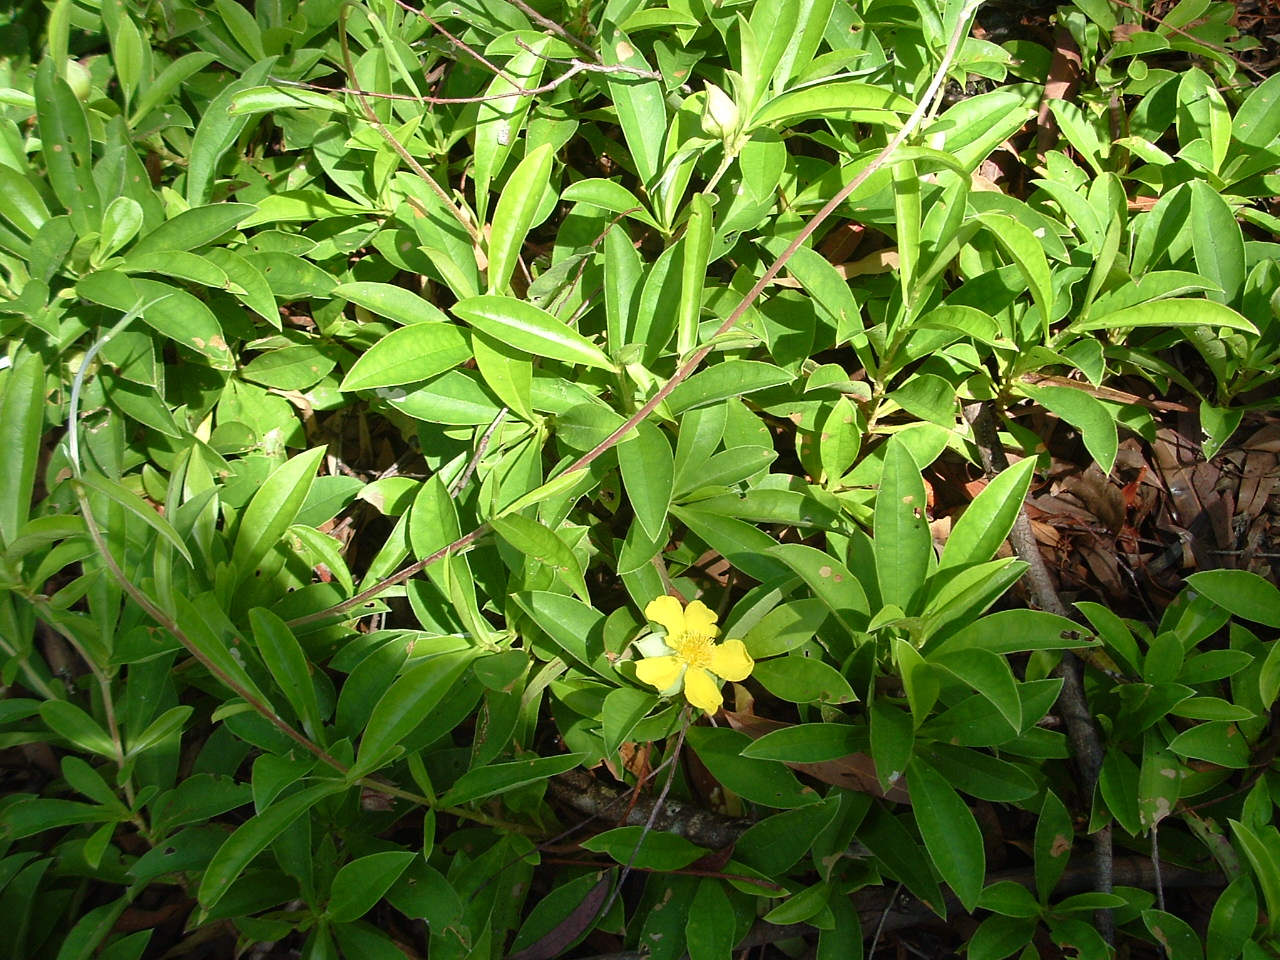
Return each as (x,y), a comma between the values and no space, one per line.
(395,144)
(1072,703)
(575,67)
(555,28)
(695,360)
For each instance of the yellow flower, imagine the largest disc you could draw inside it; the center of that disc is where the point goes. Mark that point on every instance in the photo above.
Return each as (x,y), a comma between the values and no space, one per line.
(688,656)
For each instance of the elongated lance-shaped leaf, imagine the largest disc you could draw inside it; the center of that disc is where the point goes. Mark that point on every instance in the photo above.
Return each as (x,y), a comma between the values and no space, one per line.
(272,509)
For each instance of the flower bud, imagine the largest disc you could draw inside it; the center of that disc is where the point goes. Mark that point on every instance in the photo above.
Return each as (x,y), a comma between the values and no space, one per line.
(720,118)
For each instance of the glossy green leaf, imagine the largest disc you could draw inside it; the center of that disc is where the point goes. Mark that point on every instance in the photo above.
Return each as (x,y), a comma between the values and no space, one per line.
(1243,593)
(253,836)
(1175,312)
(416,352)
(287,662)
(949,831)
(1233,920)
(360,884)
(733,378)
(22,409)
(544,547)
(986,522)
(807,743)
(803,680)
(217,131)
(172,312)
(73,724)
(648,473)
(272,510)
(1095,422)
(759,781)
(830,581)
(531,329)
(656,851)
(390,301)
(903,544)
(496,778)
(1179,940)
(67,150)
(130,501)
(519,200)
(848,99)
(405,703)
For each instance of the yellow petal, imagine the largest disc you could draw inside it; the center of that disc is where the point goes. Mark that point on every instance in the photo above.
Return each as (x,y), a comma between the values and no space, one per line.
(731,661)
(701,690)
(668,612)
(660,672)
(699,618)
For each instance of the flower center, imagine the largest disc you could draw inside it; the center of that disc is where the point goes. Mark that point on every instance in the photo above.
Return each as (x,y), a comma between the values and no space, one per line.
(693,649)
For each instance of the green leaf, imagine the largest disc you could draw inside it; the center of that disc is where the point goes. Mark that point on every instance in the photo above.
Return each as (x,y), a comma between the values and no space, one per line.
(648,473)
(67,149)
(542,546)
(531,329)
(640,104)
(1174,312)
(758,781)
(122,495)
(949,831)
(903,544)
(1244,594)
(272,510)
(849,99)
(161,729)
(218,131)
(695,250)
(192,228)
(803,680)
(711,931)
(785,627)
(1262,848)
(1257,122)
(611,196)
(253,836)
(22,409)
(986,522)
(657,851)
(733,378)
(989,674)
(807,742)
(73,724)
(1233,919)
(892,741)
(1094,421)
(1054,839)
(998,937)
(404,704)
(173,312)
(830,581)
(1177,937)
(387,300)
(1159,782)
(1027,252)
(360,884)
(1215,741)
(20,202)
(1217,242)
(519,200)
(500,777)
(252,100)
(287,662)
(407,355)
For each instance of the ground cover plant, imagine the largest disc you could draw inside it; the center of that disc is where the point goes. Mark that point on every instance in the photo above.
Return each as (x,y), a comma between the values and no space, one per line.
(504,480)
